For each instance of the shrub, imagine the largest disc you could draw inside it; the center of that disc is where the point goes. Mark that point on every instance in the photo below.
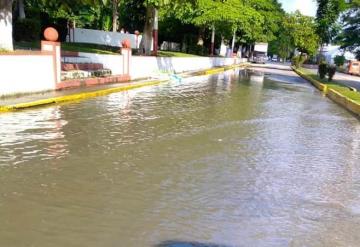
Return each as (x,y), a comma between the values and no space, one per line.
(298,61)
(331,70)
(339,60)
(322,71)
(27,30)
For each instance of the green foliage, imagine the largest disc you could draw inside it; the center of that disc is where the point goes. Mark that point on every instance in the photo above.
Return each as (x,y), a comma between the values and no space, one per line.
(339,60)
(331,70)
(253,20)
(322,70)
(350,35)
(282,45)
(336,85)
(326,17)
(298,61)
(132,15)
(27,30)
(301,30)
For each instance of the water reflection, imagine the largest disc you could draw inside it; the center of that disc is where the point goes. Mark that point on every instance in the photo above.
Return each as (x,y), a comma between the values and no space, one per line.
(19,130)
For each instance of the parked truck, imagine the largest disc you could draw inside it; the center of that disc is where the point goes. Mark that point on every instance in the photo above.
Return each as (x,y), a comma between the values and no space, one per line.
(260,52)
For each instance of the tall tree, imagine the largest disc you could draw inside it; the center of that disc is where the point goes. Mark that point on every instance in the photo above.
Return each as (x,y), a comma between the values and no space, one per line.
(350,35)
(152,18)
(115,15)
(327,14)
(302,30)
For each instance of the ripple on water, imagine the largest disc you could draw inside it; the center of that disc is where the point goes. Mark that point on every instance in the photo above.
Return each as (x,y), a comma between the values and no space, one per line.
(234,159)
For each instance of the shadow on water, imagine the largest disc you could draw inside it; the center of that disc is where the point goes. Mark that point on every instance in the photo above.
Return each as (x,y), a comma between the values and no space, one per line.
(176,243)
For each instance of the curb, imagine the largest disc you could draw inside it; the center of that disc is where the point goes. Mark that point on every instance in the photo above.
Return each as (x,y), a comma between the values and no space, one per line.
(87,95)
(332,94)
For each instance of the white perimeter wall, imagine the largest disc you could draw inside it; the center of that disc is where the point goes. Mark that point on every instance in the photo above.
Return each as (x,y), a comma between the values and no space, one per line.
(26,74)
(99,37)
(152,66)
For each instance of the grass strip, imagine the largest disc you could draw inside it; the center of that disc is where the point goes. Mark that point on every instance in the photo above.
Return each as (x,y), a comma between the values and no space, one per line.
(335,85)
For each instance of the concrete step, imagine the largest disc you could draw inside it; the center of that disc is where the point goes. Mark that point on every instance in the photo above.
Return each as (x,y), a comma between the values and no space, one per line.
(75,59)
(81,66)
(79,74)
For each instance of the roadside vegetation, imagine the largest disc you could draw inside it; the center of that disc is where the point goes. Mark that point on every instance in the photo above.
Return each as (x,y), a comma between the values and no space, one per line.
(200,27)
(190,23)
(336,85)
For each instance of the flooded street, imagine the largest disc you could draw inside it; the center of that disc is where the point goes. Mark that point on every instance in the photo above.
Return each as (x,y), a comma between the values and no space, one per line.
(243,158)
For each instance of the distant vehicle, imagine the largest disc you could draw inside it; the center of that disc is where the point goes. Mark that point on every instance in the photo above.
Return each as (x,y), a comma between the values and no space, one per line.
(260,58)
(274,58)
(354,68)
(261,47)
(260,52)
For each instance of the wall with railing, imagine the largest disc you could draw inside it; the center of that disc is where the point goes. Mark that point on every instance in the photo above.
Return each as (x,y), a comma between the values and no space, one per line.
(81,35)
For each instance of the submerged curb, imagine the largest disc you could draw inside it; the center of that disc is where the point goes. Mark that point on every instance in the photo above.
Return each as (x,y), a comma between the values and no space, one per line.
(75,97)
(102,92)
(332,94)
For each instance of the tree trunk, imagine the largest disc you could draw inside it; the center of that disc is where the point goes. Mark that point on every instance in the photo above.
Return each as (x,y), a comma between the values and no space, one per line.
(21,9)
(233,41)
(115,16)
(6,28)
(155,32)
(145,45)
(240,51)
(212,48)
(252,48)
(201,36)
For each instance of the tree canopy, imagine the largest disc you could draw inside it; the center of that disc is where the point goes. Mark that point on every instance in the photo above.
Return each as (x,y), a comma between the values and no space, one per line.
(327,14)
(302,32)
(349,38)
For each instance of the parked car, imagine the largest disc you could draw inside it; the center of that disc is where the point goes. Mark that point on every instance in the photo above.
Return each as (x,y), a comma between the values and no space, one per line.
(260,59)
(274,58)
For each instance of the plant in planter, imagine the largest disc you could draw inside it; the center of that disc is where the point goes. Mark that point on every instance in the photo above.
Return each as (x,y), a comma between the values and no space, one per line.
(322,71)
(331,70)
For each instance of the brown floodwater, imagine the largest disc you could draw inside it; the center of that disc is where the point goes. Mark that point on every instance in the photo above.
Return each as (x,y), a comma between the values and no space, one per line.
(243,158)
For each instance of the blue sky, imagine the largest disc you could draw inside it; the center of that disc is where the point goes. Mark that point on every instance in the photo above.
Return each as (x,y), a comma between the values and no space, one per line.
(306,7)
